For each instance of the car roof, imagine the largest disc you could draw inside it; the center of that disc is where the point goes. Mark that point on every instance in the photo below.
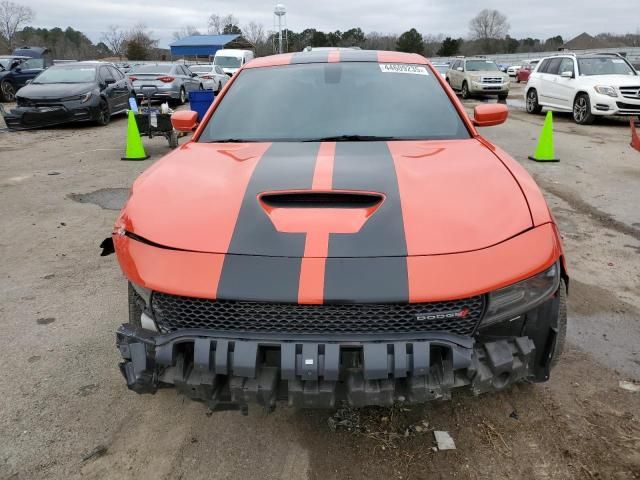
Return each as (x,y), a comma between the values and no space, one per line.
(16,57)
(335,55)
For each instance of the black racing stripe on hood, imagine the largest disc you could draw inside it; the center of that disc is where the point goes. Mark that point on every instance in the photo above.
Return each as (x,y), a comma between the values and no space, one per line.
(369,166)
(383,276)
(284,166)
(310,57)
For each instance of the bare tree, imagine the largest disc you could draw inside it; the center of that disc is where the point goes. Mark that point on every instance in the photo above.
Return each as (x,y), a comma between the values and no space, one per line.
(215,24)
(140,44)
(115,39)
(230,21)
(489,25)
(12,17)
(186,31)
(254,32)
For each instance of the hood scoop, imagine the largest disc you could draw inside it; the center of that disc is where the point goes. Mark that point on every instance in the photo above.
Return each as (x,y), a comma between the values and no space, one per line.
(318,199)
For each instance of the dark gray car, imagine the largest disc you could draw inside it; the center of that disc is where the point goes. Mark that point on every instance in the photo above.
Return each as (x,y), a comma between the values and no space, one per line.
(69,93)
(173,82)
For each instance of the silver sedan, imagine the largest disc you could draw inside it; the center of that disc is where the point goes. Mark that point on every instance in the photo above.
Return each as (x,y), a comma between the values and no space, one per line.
(172,82)
(212,76)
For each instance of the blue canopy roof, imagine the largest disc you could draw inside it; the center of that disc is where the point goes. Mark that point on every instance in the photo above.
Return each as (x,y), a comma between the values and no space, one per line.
(205,45)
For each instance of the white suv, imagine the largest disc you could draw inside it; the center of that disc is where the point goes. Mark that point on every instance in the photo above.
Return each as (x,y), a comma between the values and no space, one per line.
(588,85)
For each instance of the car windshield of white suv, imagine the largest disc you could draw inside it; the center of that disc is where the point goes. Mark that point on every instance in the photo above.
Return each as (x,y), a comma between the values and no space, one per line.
(227,62)
(481,66)
(604,66)
(79,74)
(348,101)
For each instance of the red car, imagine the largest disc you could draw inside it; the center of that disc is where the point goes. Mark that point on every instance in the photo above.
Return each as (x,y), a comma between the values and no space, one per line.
(337,230)
(522,75)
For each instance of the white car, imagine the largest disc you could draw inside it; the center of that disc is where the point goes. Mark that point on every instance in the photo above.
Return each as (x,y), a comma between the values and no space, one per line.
(588,85)
(512,71)
(231,59)
(212,76)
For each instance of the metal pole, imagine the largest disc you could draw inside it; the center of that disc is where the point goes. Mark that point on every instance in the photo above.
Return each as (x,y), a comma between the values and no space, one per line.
(279,33)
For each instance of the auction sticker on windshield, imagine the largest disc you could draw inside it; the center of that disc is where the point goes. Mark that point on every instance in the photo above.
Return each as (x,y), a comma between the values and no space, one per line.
(403,68)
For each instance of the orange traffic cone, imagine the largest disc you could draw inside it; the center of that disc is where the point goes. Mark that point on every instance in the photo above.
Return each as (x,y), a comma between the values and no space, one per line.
(635,139)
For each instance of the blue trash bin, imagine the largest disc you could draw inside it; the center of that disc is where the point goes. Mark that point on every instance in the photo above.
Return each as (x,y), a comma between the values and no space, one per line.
(200,101)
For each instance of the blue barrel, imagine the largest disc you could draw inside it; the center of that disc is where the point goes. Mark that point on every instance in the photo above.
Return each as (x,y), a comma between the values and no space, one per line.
(200,101)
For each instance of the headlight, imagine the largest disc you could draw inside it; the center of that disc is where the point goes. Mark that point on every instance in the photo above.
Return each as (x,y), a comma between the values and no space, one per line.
(476,78)
(606,90)
(84,98)
(520,297)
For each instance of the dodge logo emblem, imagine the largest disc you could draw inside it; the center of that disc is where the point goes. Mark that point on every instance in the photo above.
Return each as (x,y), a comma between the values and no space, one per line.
(425,317)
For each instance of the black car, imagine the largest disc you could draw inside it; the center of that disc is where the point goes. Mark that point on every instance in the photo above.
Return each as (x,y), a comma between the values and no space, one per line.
(15,71)
(71,92)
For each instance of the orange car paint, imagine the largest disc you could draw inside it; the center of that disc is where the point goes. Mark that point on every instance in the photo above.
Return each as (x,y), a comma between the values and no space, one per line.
(480,190)
(448,256)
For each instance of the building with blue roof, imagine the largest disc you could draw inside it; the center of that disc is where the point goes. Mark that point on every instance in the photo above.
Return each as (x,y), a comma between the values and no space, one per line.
(207,45)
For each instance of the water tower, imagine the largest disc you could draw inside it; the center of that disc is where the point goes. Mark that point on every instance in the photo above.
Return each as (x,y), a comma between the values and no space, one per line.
(280,14)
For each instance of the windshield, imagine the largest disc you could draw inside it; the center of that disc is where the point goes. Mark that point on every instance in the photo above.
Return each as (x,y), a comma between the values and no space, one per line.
(5,62)
(441,68)
(342,101)
(481,66)
(604,66)
(151,69)
(76,74)
(227,62)
(201,68)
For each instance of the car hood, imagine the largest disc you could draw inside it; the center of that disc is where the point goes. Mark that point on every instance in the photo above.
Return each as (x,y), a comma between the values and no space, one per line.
(54,90)
(344,199)
(614,80)
(489,73)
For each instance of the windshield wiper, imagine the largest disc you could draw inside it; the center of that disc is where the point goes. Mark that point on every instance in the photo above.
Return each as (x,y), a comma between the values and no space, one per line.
(351,138)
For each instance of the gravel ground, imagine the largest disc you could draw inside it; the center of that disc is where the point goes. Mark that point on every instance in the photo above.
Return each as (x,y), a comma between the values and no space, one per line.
(66,413)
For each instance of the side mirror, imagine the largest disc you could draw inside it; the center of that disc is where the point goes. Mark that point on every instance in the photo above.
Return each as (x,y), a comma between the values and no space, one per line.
(567,74)
(490,114)
(460,69)
(109,81)
(184,120)
(193,74)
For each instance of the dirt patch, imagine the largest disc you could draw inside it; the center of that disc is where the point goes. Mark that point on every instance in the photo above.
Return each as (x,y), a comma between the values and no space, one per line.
(595,425)
(580,206)
(589,299)
(107,198)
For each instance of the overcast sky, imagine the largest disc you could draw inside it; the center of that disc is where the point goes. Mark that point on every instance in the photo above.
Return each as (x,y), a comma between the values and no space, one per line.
(539,19)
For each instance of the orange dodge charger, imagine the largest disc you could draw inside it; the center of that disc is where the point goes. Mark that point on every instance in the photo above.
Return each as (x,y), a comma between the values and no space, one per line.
(336,230)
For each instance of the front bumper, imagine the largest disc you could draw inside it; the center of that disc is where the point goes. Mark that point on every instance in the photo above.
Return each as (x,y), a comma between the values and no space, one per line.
(24,118)
(230,372)
(606,105)
(489,88)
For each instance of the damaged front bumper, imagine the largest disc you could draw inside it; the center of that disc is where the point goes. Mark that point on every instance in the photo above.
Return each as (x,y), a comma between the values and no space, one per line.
(25,118)
(231,372)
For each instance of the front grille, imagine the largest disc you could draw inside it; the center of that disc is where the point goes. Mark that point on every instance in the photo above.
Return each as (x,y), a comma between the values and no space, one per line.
(630,92)
(629,108)
(173,313)
(491,80)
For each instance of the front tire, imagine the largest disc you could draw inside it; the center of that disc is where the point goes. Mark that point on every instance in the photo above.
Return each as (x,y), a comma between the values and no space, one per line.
(562,325)
(183,97)
(135,312)
(533,106)
(582,110)
(104,113)
(464,93)
(8,91)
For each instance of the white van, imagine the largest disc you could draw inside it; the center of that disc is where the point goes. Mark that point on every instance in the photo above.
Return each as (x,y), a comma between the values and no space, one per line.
(231,60)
